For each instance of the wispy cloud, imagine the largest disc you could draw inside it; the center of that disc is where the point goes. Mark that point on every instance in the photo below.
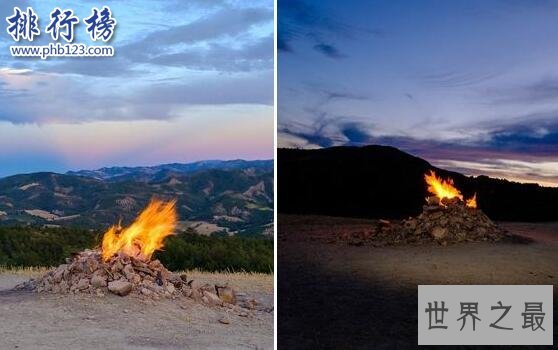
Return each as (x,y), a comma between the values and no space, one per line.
(328,50)
(454,79)
(301,21)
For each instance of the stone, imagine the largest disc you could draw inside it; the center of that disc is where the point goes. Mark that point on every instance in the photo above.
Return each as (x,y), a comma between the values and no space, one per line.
(59,273)
(224,320)
(226,294)
(188,292)
(63,287)
(153,287)
(82,284)
(133,278)
(120,287)
(128,270)
(176,281)
(211,299)
(98,281)
(433,201)
(92,265)
(117,266)
(170,288)
(206,287)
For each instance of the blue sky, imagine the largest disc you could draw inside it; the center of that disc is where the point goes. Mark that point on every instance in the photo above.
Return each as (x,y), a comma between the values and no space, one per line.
(470,86)
(190,80)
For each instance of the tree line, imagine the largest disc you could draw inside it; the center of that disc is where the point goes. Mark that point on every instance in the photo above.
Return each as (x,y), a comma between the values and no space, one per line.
(43,246)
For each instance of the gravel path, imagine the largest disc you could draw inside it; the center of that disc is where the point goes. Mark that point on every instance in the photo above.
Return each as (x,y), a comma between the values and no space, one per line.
(32,321)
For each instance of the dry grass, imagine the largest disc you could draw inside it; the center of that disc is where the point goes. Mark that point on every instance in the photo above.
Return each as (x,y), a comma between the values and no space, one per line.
(30,272)
(242,281)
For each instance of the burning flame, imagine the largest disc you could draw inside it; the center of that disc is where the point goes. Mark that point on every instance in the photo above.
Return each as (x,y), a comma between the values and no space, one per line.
(441,188)
(472,202)
(445,189)
(145,235)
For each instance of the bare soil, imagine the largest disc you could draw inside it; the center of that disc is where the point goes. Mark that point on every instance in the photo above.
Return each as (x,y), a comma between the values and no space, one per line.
(333,295)
(45,321)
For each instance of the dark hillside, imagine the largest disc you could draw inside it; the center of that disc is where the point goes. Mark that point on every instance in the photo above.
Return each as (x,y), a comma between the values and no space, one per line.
(384,182)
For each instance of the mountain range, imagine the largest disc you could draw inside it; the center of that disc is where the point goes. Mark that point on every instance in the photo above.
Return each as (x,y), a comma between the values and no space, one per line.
(385,182)
(214,196)
(147,173)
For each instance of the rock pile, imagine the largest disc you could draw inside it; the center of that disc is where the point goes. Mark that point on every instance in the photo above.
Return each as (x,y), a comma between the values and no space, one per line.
(446,222)
(451,221)
(122,275)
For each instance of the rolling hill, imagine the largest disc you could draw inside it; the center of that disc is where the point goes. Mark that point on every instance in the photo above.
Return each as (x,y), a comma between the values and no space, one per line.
(234,196)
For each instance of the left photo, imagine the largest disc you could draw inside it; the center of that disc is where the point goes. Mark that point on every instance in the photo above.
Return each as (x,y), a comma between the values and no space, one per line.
(136,175)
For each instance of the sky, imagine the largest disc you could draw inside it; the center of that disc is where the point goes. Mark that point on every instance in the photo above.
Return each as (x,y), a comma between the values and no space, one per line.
(190,80)
(470,86)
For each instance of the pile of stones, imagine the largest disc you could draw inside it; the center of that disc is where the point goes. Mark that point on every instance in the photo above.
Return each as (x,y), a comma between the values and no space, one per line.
(452,221)
(444,222)
(86,272)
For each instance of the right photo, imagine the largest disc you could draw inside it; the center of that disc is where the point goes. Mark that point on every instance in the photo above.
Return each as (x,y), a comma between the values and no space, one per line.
(417,152)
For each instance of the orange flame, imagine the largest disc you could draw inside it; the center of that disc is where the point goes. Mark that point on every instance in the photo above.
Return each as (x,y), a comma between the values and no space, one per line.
(472,202)
(145,235)
(441,188)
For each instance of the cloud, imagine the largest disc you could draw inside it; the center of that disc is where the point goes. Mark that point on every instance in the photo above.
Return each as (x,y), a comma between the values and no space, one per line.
(332,95)
(51,98)
(283,45)
(355,133)
(544,173)
(106,67)
(300,21)
(529,136)
(543,90)
(328,50)
(254,56)
(224,38)
(252,89)
(327,131)
(455,79)
(225,23)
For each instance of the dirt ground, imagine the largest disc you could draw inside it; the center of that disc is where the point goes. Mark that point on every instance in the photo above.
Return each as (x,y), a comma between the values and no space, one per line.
(32,321)
(333,296)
